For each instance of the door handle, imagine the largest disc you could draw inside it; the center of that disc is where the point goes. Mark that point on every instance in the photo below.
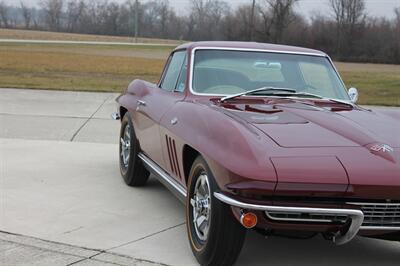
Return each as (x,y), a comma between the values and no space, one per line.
(174,121)
(141,103)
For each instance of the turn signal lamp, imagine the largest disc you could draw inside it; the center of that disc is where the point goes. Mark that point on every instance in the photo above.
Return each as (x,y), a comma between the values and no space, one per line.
(248,220)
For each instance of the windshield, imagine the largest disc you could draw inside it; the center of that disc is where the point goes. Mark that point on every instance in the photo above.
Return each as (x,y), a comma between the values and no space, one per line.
(224,72)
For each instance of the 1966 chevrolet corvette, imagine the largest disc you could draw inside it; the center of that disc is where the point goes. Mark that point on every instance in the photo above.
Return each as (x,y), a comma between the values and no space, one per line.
(263,137)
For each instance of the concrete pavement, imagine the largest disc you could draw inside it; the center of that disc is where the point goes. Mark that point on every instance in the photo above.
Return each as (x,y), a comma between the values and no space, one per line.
(58,115)
(22,250)
(60,182)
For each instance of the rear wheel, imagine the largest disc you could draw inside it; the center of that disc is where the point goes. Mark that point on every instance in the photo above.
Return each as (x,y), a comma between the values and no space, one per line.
(215,236)
(131,167)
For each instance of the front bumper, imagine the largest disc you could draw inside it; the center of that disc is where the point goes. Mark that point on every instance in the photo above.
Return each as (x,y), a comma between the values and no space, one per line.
(354,216)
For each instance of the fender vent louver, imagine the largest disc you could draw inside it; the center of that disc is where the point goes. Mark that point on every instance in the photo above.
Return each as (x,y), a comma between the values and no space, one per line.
(172,156)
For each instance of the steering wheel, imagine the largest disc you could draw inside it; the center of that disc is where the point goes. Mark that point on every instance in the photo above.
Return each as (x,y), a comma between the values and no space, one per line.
(224,89)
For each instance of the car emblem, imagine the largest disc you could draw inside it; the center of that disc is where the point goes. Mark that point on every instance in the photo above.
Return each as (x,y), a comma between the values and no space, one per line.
(382,148)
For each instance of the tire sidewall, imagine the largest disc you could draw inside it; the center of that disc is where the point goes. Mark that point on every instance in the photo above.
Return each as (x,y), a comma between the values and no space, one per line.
(203,250)
(126,172)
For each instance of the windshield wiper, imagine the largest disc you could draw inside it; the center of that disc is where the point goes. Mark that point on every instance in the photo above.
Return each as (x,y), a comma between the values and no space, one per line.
(263,89)
(286,93)
(321,97)
(302,93)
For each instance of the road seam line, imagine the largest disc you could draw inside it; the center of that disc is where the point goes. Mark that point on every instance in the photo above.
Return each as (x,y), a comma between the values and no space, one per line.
(85,42)
(47,241)
(48,249)
(87,121)
(90,258)
(147,236)
(82,257)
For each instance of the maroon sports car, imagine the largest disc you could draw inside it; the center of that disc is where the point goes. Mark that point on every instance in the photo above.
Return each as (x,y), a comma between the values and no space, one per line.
(262,136)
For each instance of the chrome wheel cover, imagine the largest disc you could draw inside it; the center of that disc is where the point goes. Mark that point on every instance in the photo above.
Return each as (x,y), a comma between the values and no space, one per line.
(126,146)
(201,207)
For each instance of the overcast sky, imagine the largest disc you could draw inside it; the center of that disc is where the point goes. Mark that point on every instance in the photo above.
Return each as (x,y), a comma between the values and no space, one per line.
(307,7)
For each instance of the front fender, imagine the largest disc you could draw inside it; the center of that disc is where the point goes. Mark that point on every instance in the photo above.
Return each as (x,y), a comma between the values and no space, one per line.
(236,151)
(137,89)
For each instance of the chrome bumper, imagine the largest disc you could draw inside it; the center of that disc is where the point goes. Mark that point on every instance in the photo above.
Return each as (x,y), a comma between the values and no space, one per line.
(356,216)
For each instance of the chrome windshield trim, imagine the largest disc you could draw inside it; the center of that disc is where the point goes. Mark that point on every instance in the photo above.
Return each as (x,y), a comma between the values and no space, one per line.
(356,216)
(193,52)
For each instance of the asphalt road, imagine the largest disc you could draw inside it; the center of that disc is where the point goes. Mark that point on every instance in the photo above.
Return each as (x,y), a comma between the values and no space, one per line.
(60,182)
(82,42)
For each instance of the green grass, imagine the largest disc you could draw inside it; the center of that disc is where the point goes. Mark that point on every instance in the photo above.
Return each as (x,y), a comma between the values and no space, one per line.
(378,84)
(112,68)
(79,67)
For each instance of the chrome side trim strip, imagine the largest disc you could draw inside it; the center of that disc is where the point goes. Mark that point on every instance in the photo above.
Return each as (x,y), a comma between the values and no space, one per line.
(380,228)
(356,216)
(168,181)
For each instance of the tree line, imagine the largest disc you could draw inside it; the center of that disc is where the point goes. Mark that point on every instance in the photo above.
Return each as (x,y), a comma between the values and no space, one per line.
(346,32)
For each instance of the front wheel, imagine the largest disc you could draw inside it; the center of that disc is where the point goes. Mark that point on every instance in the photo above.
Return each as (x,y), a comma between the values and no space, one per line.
(131,167)
(215,236)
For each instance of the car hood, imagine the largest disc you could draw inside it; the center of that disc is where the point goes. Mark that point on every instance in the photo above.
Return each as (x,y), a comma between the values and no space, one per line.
(295,123)
(355,161)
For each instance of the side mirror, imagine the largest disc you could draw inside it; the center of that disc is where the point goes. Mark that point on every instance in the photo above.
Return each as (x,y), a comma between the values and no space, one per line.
(353,93)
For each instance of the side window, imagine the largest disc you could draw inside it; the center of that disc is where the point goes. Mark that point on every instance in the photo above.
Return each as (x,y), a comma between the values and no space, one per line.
(173,70)
(180,86)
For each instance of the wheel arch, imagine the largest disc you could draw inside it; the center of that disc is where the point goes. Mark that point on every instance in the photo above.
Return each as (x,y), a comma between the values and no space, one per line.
(122,111)
(189,155)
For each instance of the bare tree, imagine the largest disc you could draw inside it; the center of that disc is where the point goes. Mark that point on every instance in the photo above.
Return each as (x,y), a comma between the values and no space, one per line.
(239,23)
(26,14)
(4,16)
(397,34)
(252,22)
(163,16)
(110,18)
(74,12)
(53,13)
(358,37)
(277,15)
(348,15)
(206,16)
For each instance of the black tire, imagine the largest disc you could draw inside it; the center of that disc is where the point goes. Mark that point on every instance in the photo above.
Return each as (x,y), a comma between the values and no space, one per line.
(134,173)
(225,236)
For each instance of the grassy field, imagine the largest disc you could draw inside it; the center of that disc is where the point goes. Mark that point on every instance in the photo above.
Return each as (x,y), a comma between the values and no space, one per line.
(378,84)
(78,67)
(56,36)
(111,68)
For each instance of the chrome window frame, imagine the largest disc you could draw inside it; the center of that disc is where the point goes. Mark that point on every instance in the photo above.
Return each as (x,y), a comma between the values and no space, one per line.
(192,58)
